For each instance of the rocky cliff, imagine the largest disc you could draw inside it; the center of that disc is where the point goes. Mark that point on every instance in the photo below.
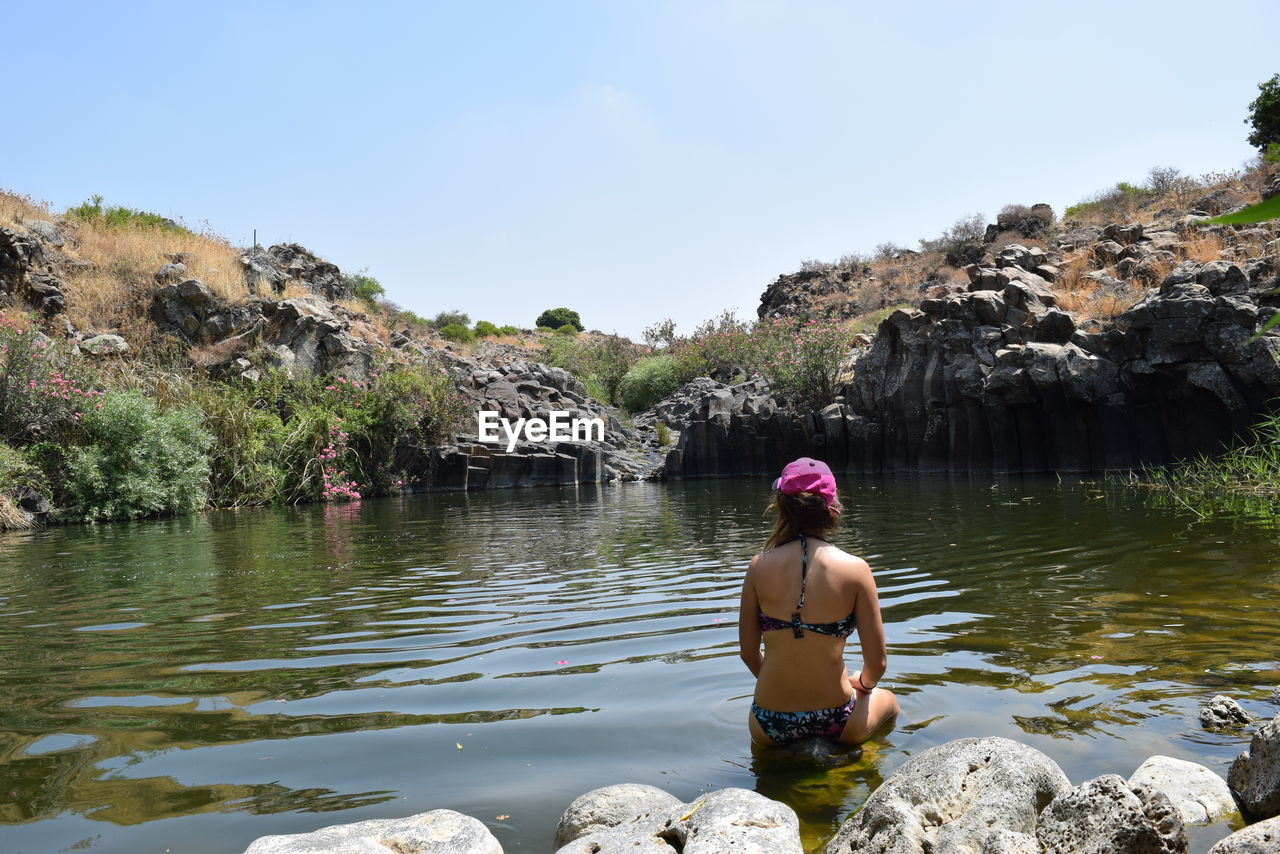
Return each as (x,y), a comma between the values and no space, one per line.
(998,376)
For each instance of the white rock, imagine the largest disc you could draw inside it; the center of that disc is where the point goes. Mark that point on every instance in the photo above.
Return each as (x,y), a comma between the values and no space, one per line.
(1260,838)
(608,807)
(435,832)
(1200,795)
(955,797)
(734,820)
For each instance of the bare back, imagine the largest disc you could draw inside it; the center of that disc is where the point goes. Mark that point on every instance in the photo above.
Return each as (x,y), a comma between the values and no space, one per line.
(807,672)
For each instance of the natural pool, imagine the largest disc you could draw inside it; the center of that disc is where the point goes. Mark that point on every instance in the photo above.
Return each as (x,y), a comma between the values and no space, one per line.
(193,684)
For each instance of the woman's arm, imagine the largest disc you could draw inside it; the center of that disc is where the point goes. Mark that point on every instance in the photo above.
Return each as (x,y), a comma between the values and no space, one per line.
(870,629)
(749,625)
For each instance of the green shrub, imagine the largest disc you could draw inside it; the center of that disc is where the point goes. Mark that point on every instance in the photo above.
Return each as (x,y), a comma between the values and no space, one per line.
(16,472)
(137,461)
(546,329)
(1272,154)
(508,330)
(364,287)
(458,332)
(485,329)
(649,381)
(119,216)
(450,318)
(600,363)
(555,318)
(1114,202)
(567,329)
(720,346)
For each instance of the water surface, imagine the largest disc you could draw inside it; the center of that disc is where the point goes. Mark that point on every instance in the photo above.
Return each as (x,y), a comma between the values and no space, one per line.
(193,684)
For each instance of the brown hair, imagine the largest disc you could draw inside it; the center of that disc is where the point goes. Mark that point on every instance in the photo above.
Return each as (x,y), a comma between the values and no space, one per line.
(801,513)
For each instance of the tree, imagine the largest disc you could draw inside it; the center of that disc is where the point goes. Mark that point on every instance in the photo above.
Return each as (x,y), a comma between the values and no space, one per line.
(557,317)
(1265,115)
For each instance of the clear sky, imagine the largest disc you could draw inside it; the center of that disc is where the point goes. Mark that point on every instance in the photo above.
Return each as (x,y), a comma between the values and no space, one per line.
(630,160)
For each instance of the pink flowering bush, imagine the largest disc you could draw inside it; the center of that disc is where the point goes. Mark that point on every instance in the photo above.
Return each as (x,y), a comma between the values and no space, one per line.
(802,360)
(42,392)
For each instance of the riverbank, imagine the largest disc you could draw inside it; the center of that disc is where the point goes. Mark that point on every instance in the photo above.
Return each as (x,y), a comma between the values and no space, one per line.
(1117,339)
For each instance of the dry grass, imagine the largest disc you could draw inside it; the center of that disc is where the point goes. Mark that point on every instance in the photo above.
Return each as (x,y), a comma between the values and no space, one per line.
(105,295)
(13,517)
(14,209)
(1085,297)
(124,262)
(1202,246)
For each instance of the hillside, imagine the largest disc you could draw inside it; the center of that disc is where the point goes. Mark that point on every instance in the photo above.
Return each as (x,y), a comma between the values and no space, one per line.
(151,369)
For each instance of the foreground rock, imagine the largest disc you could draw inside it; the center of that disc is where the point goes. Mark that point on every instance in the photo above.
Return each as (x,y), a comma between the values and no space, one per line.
(640,821)
(1255,774)
(973,795)
(601,809)
(1260,838)
(435,832)
(1108,816)
(1199,795)
(1222,712)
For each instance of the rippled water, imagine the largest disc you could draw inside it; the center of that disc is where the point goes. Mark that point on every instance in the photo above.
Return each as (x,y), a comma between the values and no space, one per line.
(193,684)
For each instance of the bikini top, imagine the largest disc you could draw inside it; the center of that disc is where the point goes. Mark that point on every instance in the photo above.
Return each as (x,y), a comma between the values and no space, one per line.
(839,628)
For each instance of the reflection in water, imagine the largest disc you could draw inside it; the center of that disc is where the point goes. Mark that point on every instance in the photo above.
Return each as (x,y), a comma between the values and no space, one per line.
(501,653)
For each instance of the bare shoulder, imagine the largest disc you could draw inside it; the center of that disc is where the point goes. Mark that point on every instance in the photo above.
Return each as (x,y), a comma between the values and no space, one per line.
(849,565)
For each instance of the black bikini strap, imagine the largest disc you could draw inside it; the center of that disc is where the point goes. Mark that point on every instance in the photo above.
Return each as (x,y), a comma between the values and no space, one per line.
(804,576)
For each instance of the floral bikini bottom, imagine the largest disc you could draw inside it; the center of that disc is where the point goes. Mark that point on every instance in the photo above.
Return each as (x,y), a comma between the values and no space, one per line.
(787,727)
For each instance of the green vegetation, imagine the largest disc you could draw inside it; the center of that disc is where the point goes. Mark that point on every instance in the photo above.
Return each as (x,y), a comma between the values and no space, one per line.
(364,287)
(649,381)
(136,461)
(146,439)
(554,318)
(1122,195)
(1245,478)
(568,329)
(450,318)
(457,332)
(508,330)
(485,329)
(663,432)
(118,216)
(600,362)
(1264,115)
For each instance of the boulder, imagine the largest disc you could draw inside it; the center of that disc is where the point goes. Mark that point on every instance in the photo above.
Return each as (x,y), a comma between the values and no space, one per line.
(725,820)
(1255,774)
(171,273)
(105,345)
(955,797)
(1260,838)
(608,807)
(1199,795)
(1107,816)
(1222,712)
(435,832)
(47,232)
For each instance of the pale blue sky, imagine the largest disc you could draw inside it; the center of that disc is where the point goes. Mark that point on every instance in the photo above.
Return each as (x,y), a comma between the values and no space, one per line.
(631,160)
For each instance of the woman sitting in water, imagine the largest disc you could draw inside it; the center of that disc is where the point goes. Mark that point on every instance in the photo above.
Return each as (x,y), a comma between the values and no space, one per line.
(802,686)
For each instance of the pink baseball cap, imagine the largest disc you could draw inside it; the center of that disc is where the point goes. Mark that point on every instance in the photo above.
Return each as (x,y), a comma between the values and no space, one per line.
(808,475)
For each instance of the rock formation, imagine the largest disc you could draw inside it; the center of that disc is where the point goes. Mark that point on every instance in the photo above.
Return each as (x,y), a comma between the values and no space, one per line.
(996,376)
